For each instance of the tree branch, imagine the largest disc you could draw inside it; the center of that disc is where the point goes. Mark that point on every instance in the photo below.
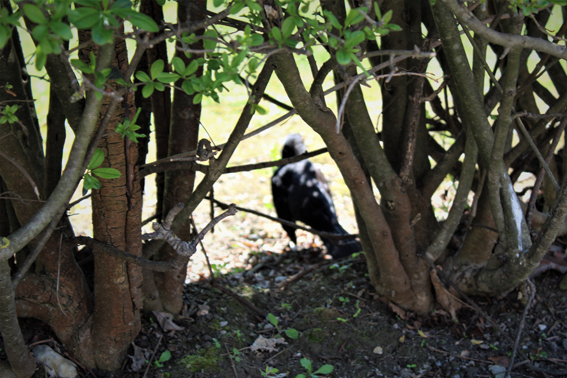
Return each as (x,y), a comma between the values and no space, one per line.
(503,39)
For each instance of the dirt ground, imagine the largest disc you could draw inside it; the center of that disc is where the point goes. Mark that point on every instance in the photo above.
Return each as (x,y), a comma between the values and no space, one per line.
(339,322)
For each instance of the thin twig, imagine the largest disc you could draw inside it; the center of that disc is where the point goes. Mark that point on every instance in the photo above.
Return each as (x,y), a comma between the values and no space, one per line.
(212,274)
(231,361)
(538,154)
(305,271)
(532,289)
(24,172)
(277,354)
(153,356)
(458,355)
(327,235)
(541,173)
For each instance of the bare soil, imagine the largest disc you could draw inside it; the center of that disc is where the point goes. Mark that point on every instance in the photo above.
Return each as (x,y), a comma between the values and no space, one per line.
(340,322)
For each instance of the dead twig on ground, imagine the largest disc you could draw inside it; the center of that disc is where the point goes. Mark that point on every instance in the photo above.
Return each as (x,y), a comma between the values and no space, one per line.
(532,290)
(459,356)
(297,276)
(231,361)
(153,356)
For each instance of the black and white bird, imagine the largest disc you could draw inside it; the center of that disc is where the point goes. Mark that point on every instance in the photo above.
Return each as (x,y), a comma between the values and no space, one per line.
(301,193)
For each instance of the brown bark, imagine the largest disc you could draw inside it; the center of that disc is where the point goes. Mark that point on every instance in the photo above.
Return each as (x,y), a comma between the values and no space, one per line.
(21,361)
(183,137)
(117,221)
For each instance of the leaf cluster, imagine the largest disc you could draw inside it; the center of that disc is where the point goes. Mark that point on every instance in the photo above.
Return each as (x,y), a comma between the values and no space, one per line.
(9,114)
(91,182)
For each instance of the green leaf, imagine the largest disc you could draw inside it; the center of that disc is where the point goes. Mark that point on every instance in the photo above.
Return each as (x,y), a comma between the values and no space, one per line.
(89,183)
(331,17)
(218,3)
(355,38)
(306,363)
(325,369)
(40,32)
(61,29)
(343,57)
(40,58)
(237,8)
(287,27)
(156,69)
(88,3)
(148,90)
(165,356)
(387,17)
(159,86)
(377,10)
(143,77)
(192,67)
(291,333)
(101,35)
(178,65)
(161,2)
(239,59)
(107,173)
(354,16)
(84,18)
(167,77)
(252,65)
(210,44)
(300,376)
(4,35)
(97,159)
(144,22)
(254,5)
(198,98)
(46,46)
(34,13)
(256,40)
(187,87)
(273,319)
(277,33)
(395,27)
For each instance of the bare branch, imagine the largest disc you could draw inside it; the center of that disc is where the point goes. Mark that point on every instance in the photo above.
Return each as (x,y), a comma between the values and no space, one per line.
(187,249)
(537,153)
(503,39)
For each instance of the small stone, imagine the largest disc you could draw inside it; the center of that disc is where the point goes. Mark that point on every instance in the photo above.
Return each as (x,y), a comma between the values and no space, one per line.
(497,370)
(223,324)
(378,350)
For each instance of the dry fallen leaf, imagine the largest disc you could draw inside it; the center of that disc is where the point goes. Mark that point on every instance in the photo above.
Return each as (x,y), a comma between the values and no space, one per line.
(203,310)
(165,320)
(398,310)
(138,359)
(500,360)
(269,345)
(445,299)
